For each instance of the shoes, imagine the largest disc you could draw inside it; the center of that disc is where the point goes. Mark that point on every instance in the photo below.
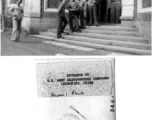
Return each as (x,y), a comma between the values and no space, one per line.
(90,24)
(15,40)
(79,31)
(67,33)
(71,31)
(63,32)
(97,25)
(82,27)
(60,37)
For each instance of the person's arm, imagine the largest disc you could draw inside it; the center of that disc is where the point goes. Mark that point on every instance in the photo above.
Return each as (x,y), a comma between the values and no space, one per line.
(84,6)
(11,10)
(77,7)
(69,7)
(61,5)
(92,1)
(22,11)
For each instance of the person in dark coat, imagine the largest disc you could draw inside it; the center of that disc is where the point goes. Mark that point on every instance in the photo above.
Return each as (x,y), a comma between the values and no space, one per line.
(62,21)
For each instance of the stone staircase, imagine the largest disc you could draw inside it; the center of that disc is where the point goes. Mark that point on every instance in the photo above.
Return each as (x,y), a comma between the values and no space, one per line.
(111,38)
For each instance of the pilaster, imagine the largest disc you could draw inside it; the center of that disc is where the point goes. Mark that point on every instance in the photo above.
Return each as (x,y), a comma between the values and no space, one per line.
(127,13)
(32,14)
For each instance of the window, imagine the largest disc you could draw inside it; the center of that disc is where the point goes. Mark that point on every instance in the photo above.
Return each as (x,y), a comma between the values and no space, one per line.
(52,3)
(51,6)
(144,6)
(10,2)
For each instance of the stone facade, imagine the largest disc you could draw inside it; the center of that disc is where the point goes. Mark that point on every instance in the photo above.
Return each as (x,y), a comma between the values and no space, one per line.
(48,18)
(41,15)
(142,16)
(141,19)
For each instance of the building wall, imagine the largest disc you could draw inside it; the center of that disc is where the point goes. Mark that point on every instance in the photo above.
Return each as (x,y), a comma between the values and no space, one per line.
(48,19)
(8,16)
(143,19)
(142,16)
(114,5)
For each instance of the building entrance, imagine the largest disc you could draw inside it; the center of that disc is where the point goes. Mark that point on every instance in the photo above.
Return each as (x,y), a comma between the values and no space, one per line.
(109,11)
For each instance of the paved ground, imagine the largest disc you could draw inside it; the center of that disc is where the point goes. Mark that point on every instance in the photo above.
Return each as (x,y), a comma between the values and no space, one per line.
(35,46)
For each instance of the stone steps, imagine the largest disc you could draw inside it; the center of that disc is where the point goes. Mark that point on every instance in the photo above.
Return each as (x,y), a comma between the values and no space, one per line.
(74,47)
(105,32)
(112,28)
(101,41)
(112,37)
(118,33)
(110,45)
(108,37)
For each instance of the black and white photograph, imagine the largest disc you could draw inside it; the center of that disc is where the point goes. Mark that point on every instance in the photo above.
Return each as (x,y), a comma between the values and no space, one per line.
(75,27)
(75,60)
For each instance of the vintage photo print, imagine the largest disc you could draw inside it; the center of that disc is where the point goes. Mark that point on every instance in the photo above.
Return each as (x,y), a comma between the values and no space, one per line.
(75,27)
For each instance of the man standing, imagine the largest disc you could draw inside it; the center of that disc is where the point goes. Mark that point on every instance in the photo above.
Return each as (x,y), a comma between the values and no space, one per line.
(73,8)
(92,4)
(70,6)
(82,8)
(62,21)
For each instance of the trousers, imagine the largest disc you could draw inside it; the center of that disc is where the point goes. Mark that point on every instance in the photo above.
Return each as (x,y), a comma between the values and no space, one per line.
(93,14)
(16,30)
(73,16)
(62,22)
(82,18)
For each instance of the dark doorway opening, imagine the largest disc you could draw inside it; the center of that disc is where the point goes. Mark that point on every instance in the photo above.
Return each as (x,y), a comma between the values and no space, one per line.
(109,11)
(109,14)
(103,10)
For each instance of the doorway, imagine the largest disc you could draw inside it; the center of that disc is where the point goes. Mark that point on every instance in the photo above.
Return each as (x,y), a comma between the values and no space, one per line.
(102,10)
(109,11)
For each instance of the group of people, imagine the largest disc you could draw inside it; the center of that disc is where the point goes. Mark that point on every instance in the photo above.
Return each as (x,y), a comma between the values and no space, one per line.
(77,14)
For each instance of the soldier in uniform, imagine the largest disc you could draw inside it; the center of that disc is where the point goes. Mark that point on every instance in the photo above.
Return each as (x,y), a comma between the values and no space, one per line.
(62,21)
(92,4)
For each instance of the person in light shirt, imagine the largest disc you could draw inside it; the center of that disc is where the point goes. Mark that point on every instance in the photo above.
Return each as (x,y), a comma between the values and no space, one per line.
(92,4)
(17,15)
(73,8)
(82,9)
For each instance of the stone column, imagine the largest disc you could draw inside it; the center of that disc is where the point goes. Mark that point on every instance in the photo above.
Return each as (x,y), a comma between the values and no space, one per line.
(2,14)
(127,13)
(32,14)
